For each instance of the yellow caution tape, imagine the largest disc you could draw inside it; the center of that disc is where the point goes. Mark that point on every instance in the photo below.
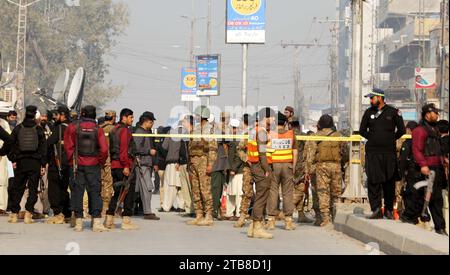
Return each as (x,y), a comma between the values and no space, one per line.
(354,138)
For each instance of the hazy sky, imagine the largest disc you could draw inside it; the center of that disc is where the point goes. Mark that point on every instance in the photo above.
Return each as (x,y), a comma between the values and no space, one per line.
(148,59)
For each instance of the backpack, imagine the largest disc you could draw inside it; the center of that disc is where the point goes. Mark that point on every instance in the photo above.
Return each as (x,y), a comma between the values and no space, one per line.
(28,139)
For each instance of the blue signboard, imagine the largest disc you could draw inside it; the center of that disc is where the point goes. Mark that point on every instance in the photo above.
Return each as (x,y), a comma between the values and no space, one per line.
(189,84)
(246,21)
(208,75)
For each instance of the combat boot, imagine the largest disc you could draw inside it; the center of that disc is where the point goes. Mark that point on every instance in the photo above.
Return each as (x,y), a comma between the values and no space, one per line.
(240,222)
(207,221)
(250,230)
(270,225)
(73,220)
(197,220)
(326,221)
(289,223)
(98,226)
(13,217)
(78,225)
(28,219)
(303,219)
(259,232)
(109,221)
(58,219)
(280,216)
(127,224)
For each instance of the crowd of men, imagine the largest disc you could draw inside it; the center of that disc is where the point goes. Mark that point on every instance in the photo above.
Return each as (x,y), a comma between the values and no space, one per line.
(104,168)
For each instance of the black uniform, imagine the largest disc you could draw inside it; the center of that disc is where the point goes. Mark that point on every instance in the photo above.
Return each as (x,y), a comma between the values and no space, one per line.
(58,175)
(6,138)
(29,151)
(382,128)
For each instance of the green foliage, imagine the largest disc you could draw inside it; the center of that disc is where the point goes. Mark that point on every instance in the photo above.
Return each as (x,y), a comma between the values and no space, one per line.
(61,37)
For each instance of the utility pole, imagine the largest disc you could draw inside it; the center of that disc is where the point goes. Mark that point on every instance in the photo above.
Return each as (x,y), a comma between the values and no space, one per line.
(334,64)
(298,96)
(192,20)
(244,75)
(21,52)
(355,188)
(209,39)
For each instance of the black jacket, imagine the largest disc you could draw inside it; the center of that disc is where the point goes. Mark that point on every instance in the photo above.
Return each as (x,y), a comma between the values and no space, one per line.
(41,153)
(54,141)
(7,140)
(382,130)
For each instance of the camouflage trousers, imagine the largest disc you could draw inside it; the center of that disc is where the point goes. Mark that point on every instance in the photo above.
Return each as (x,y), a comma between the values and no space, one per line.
(399,185)
(299,196)
(329,187)
(107,187)
(247,189)
(201,185)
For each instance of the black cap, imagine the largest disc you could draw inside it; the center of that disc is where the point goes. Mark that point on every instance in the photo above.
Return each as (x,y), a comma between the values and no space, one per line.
(375,92)
(411,125)
(30,111)
(281,118)
(89,112)
(149,115)
(63,110)
(266,113)
(430,108)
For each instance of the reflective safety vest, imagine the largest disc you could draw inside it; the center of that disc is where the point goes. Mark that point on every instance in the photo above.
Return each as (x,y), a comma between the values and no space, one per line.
(252,148)
(282,146)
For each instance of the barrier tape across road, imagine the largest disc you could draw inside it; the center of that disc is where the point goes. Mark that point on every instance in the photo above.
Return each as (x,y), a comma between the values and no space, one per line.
(354,138)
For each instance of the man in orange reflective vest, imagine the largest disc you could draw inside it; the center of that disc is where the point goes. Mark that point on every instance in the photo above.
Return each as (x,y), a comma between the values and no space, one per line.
(259,158)
(284,158)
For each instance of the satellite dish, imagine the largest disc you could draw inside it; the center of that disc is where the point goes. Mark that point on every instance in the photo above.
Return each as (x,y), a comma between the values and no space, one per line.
(75,95)
(61,84)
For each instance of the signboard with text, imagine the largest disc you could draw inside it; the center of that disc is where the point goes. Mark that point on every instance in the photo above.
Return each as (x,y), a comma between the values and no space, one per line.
(189,84)
(246,22)
(208,75)
(425,78)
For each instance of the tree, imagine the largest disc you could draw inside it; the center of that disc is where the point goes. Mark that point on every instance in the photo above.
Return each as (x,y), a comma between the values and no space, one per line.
(61,36)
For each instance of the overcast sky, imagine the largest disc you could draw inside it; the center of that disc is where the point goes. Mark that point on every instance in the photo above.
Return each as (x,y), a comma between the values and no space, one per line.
(148,59)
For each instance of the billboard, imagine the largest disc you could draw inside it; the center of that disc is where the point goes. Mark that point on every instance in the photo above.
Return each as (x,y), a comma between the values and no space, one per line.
(208,75)
(189,84)
(425,78)
(246,21)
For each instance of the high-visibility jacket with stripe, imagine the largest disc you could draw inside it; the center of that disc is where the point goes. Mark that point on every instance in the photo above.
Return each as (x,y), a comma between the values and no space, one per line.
(282,146)
(252,147)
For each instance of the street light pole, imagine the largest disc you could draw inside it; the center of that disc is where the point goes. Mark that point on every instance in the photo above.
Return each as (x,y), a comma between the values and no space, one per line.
(355,188)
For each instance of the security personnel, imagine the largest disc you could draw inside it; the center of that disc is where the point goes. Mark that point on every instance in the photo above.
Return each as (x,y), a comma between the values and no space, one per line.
(326,155)
(247,184)
(259,157)
(428,156)
(382,125)
(29,152)
(107,180)
(301,189)
(59,170)
(121,149)
(203,155)
(85,145)
(284,159)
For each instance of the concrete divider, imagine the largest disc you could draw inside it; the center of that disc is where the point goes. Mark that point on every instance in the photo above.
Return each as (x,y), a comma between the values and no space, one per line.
(392,237)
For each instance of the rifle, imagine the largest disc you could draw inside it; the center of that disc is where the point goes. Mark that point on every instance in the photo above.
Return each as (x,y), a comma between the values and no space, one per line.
(125,188)
(428,183)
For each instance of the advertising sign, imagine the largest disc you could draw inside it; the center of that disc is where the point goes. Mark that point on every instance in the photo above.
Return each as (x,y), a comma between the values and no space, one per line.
(208,75)
(246,22)
(189,84)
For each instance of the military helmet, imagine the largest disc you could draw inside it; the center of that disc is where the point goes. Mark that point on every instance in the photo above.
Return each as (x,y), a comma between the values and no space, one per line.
(203,112)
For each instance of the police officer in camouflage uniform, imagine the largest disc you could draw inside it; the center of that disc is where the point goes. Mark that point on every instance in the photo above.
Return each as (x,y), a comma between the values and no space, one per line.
(327,157)
(247,184)
(300,185)
(203,154)
(107,180)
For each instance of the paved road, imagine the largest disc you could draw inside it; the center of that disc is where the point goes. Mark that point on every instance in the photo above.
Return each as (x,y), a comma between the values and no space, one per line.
(171,236)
